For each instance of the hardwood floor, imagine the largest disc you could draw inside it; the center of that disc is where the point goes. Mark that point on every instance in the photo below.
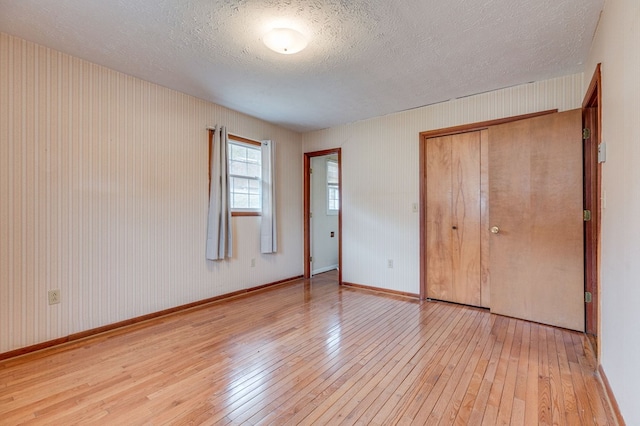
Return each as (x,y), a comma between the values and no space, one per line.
(312,353)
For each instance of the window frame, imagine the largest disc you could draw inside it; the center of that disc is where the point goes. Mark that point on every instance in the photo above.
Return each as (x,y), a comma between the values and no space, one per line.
(239,140)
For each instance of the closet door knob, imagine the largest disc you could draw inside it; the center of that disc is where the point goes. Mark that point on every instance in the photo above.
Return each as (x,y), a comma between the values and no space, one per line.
(495,230)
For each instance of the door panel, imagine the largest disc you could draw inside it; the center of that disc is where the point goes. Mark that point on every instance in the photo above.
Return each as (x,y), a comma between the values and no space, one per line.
(438,209)
(453,218)
(535,194)
(465,229)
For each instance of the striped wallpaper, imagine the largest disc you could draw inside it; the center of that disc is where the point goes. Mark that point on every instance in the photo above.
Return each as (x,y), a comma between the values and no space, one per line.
(380,174)
(103,195)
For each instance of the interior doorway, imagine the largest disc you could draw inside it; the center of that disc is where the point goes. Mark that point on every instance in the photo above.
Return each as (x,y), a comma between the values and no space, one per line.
(322,212)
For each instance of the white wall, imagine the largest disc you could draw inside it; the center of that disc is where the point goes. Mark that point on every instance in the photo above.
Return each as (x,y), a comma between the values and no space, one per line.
(617,47)
(324,248)
(104,195)
(380,174)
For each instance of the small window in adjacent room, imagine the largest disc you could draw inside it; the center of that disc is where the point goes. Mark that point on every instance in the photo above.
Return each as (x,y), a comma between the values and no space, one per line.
(245,166)
(333,188)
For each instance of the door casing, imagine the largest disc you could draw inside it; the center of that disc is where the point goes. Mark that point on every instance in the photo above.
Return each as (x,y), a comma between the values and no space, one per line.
(592,119)
(307,209)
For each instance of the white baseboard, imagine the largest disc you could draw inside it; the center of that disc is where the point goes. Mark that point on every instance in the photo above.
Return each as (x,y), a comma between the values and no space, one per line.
(325,269)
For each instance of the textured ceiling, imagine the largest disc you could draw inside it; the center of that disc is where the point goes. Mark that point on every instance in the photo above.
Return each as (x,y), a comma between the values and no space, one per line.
(365,58)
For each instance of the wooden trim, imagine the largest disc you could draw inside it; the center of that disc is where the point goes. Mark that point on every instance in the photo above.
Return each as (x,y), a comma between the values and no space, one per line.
(422,175)
(243,140)
(383,290)
(593,94)
(307,208)
(592,118)
(472,127)
(340,217)
(306,219)
(234,214)
(136,320)
(611,397)
(324,152)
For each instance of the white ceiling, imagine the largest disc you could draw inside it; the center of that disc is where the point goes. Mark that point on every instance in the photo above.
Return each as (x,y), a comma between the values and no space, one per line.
(365,58)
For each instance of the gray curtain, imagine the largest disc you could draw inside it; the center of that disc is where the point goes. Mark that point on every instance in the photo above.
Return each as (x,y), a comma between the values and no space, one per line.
(219,239)
(268,240)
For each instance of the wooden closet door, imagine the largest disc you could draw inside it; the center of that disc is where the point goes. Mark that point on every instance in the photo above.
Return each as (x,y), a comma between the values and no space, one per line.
(439,273)
(535,194)
(454,218)
(465,232)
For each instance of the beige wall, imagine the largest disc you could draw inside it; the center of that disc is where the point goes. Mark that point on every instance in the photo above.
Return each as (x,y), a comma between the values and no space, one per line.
(103,194)
(617,47)
(380,174)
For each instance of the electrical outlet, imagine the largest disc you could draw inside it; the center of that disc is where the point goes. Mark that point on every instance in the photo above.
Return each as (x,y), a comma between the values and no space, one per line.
(390,263)
(54,296)
(253,263)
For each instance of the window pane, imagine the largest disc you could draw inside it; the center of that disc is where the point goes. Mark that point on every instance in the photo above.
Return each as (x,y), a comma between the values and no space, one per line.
(254,201)
(238,152)
(253,170)
(333,198)
(254,155)
(332,171)
(254,186)
(245,168)
(241,201)
(237,168)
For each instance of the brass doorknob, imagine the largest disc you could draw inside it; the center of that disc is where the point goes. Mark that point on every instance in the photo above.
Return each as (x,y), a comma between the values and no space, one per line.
(495,230)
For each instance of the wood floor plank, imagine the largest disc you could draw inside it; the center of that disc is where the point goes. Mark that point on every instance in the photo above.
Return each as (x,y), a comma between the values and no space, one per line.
(466,408)
(544,382)
(307,352)
(495,396)
(566,383)
(430,392)
(557,401)
(392,402)
(508,391)
(600,409)
(499,333)
(520,391)
(389,388)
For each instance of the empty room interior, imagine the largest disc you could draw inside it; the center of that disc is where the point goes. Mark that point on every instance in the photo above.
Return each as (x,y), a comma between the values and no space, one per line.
(319,212)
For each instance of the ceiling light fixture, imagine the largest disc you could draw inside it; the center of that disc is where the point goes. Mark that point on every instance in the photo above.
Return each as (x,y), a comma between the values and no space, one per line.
(285,40)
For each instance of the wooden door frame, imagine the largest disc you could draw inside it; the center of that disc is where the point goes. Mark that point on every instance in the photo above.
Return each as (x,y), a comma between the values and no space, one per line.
(307,208)
(592,197)
(423,177)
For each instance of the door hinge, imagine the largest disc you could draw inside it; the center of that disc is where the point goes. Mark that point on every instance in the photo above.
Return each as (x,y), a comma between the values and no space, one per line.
(310,214)
(586,215)
(587,297)
(311,259)
(586,133)
(310,171)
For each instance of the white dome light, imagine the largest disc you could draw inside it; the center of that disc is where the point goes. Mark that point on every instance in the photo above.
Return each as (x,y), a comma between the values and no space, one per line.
(285,40)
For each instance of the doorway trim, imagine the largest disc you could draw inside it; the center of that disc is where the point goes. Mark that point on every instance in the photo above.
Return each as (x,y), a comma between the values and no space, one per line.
(423,177)
(307,209)
(592,119)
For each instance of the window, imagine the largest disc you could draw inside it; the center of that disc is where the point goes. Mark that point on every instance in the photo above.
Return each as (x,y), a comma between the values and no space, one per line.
(333,191)
(245,167)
